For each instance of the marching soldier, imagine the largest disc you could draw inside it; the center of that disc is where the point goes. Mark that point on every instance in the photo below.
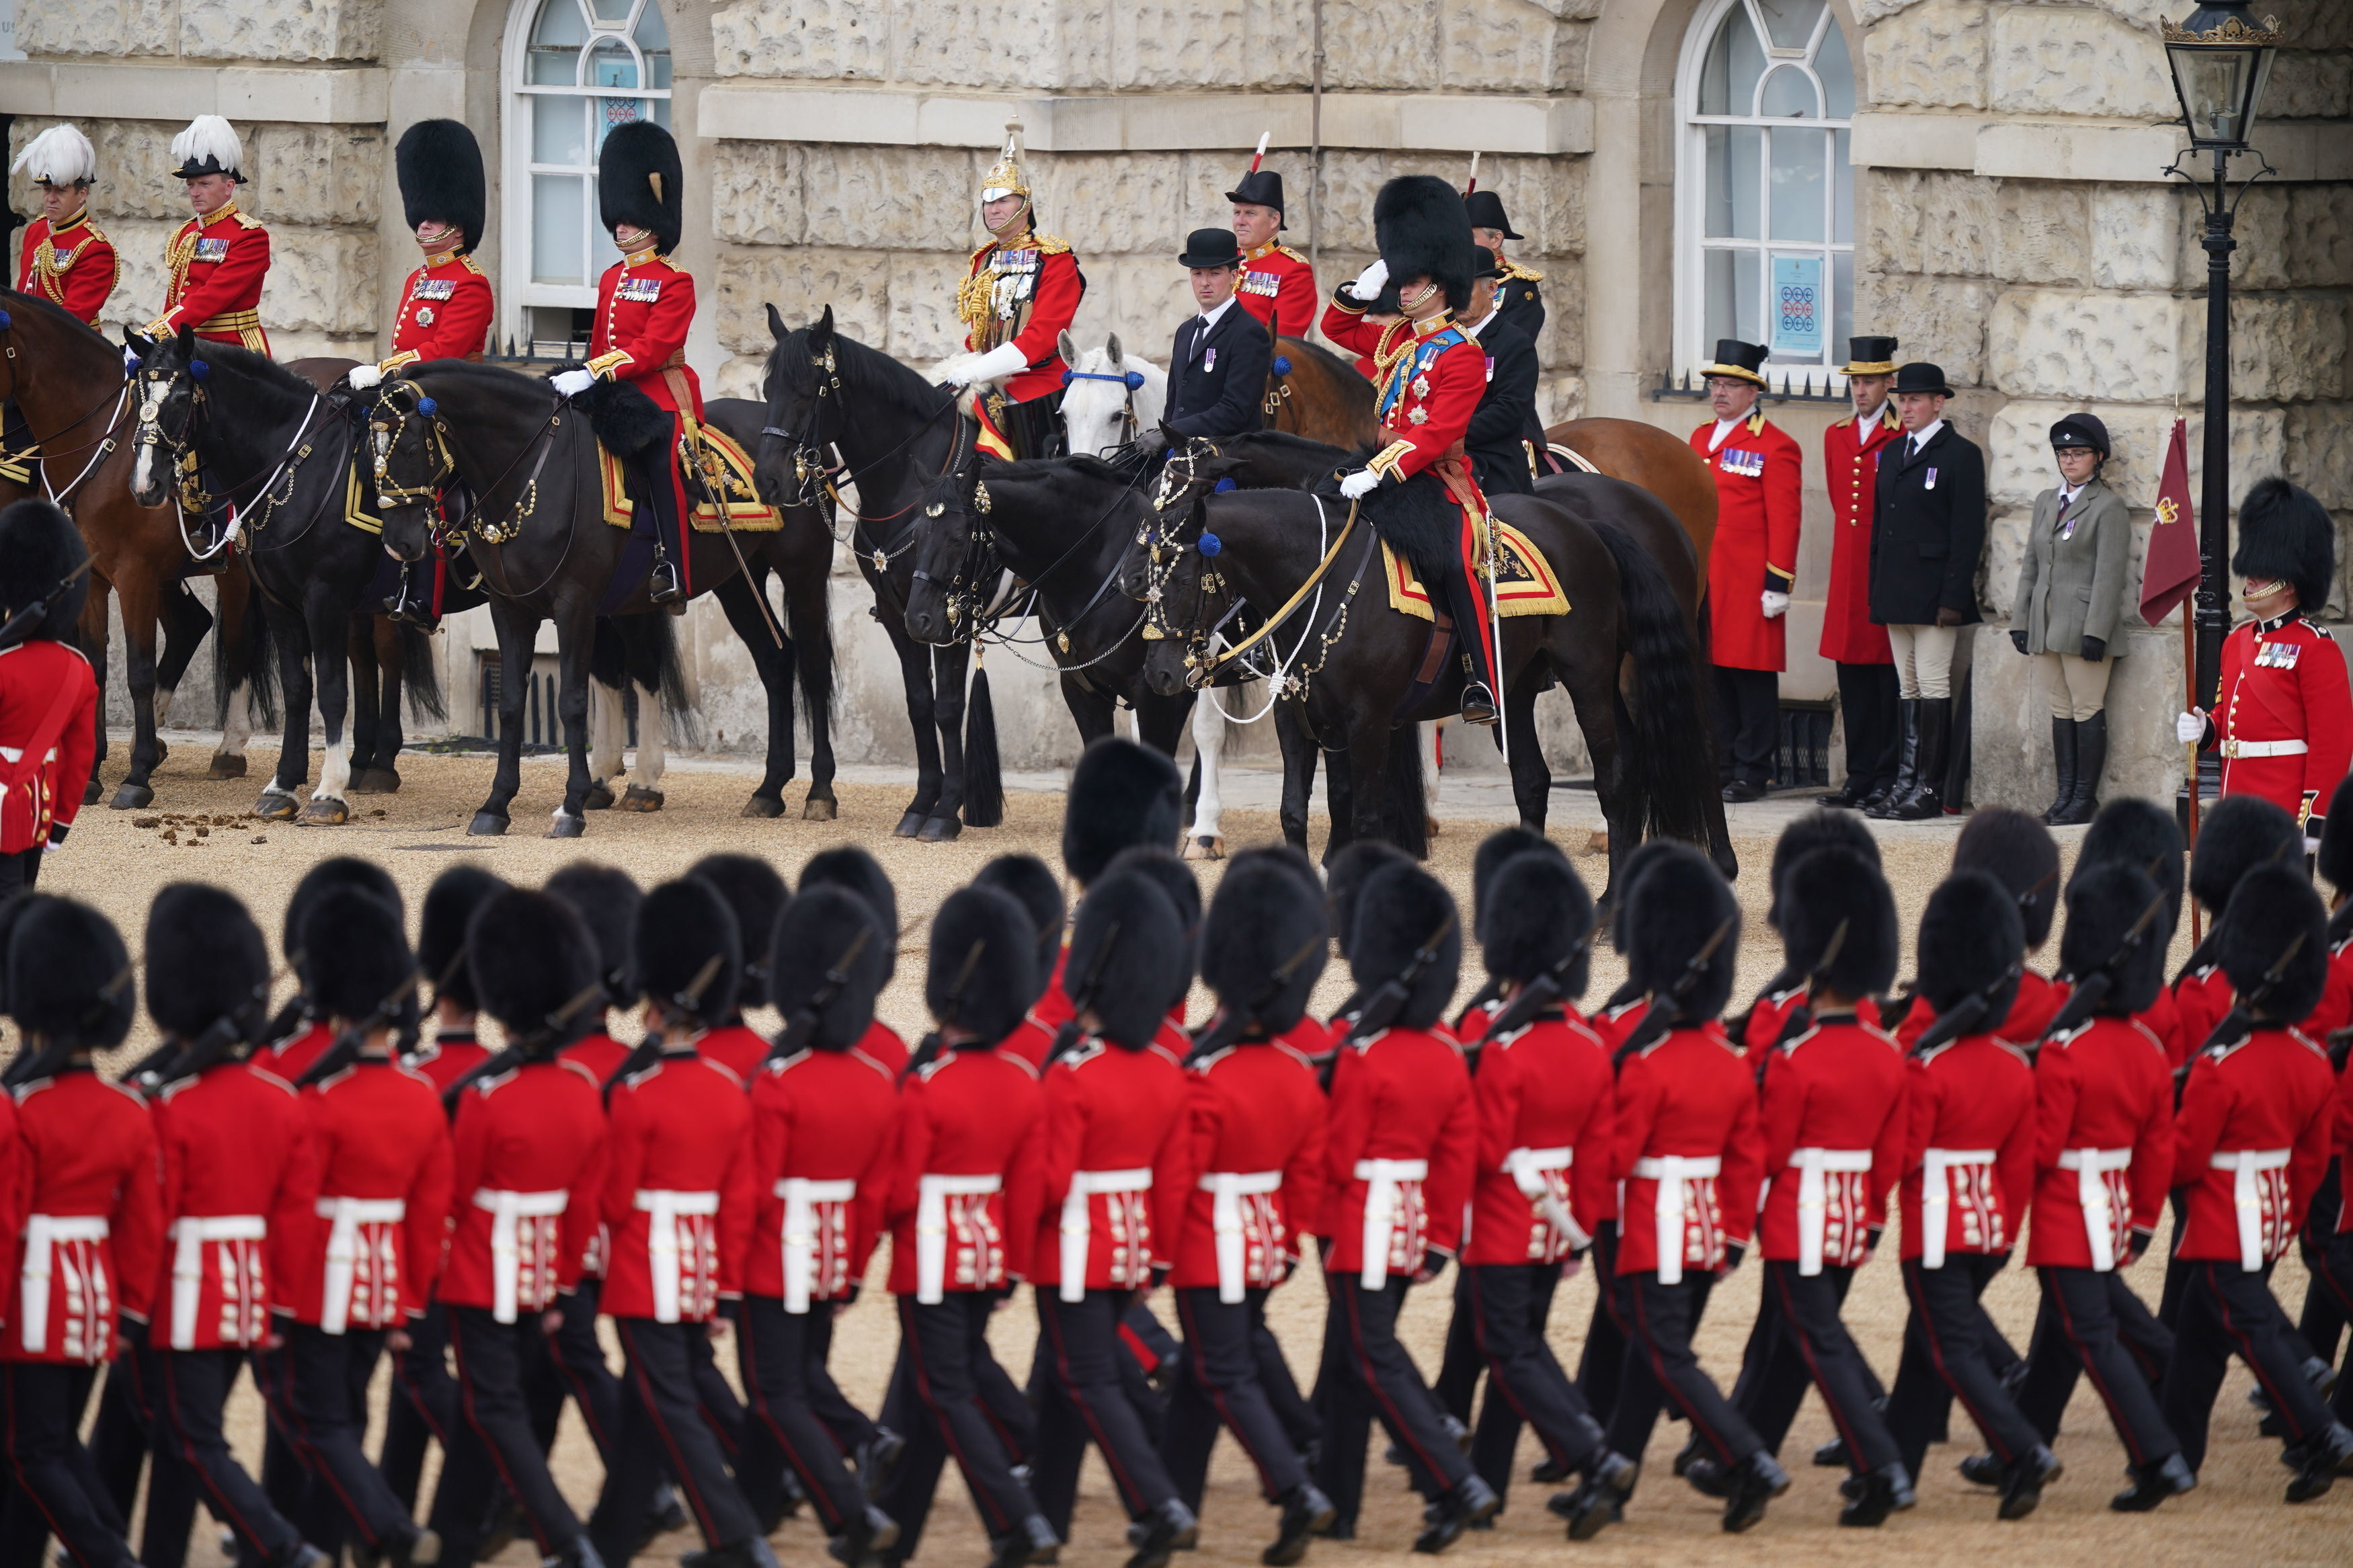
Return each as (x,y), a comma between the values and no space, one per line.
(2236,837)
(1216,375)
(1018,298)
(1518,299)
(1753,565)
(66,259)
(1776,1014)
(1505,433)
(1039,892)
(218,259)
(756,896)
(302,1032)
(1278,285)
(49,694)
(2016,850)
(851,868)
(1866,669)
(455,896)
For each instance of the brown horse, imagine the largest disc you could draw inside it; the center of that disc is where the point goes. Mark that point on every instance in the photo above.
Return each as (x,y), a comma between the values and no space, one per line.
(1321,395)
(1656,459)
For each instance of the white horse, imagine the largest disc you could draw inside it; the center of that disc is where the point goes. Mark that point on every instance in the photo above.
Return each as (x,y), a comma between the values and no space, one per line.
(1111,397)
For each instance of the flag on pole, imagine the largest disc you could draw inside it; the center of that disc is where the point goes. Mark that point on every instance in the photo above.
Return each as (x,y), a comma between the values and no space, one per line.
(2172,568)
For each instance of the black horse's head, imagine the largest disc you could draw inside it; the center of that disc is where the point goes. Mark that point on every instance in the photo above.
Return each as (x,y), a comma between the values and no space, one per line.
(954,555)
(1175,565)
(803,387)
(170,391)
(408,463)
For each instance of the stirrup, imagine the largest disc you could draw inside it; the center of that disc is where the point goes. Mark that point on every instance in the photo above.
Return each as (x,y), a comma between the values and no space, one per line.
(1478,703)
(662,584)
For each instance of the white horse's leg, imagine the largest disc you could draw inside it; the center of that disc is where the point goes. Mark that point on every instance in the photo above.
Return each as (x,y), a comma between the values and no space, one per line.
(651,725)
(336,772)
(607,729)
(237,727)
(1202,840)
(1433,751)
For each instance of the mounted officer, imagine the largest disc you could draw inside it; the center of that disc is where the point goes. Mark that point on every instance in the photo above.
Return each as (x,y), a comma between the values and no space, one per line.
(218,259)
(1016,301)
(66,260)
(1278,284)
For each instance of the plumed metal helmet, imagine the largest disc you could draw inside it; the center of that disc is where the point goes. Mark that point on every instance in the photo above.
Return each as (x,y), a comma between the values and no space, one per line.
(334,871)
(1402,911)
(1537,911)
(1029,879)
(980,974)
(810,962)
(61,156)
(849,866)
(1970,937)
(757,896)
(355,954)
(2335,859)
(2138,832)
(1421,231)
(1671,915)
(69,980)
(2274,909)
(1835,895)
(1120,795)
(206,958)
(2239,833)
(1499,848)
(449,912)
(40,548)
(208,146)
(1129,962)
(2017,851)
(2103,906)
(605,897)
(1264,945)
(1638,863)
(682,927)
(639,182)
(533,958)
(2284,534)
(440,168)
(1823,828)
(1174,878)
(1346,875)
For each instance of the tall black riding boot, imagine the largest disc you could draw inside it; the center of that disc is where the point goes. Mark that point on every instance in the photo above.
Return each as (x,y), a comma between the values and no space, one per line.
(1907,764)
(412,602)
(2091,756)
(1926,799)
(1481,691)
(2063,758)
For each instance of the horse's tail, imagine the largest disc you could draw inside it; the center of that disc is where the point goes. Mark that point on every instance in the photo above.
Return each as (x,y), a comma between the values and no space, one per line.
(984,778)
(1673,746)
(421,673)
(609,662)
(812,632)
(1408,798)
(260,654)
(669,675)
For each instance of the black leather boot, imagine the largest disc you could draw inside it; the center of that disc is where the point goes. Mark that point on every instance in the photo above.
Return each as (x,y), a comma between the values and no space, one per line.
(2023,1478)
(2062,763)
(1907,764)
(1600,1501)
(1873,1495)
(1756,1481)
(1170,1528)
(2091,756)
(1469,1502)
(1306,1512)
(1481,687)
(2152,1484)
(1935,728)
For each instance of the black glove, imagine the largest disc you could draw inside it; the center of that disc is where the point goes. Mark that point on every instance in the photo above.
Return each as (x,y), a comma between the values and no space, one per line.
(1734,1251)
(2095,648)
(1871,1242)
(1433,1264)
(2017,639)
(2141,1237)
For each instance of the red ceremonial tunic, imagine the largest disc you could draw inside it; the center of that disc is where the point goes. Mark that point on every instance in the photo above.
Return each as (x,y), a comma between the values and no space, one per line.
(1968,1149)
(529,1163)
(644,307)
(1833,1112)
(1111,1115)
(2284,693)
(13,1177)
(1432,375)
(1611,1026)
(1756,507)
(48,737)
(379,1160)
(2038,1001)
(2102,1145)
(2250,1144)
(1026,295)
(2343,1138)
(72,265)
(820,1146)
(882,1043)
(1278,286)
(599,1053)
(217,266)
(2336,1008)
(1769,1015)
(290,1057)
(1246,1167)
(1402,1138)
(2200,998)
(452,1054)
(966,1164)
(445,313)
(678,1190)
(1690,1155)
(1546,1112)
(88,1221)
(735,1046)
(235,1187)
(1851,471)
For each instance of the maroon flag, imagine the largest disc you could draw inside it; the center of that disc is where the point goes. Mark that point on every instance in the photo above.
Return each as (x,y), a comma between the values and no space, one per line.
(2171,571)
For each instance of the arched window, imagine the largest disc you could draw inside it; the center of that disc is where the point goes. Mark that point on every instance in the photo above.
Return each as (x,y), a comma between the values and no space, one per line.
(575,69)
(1765,215)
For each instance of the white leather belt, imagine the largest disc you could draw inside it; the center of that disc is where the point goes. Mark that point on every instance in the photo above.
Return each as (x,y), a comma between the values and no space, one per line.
(1937,1168)
(2234,747)
(1675,1173)
(665,1209)
(1078,1221)
(2092,1167)
(345,1216)
(1383,1179)
(2248,1166)
(1528,1169)
(42,1232)
(190,1233)
(17,754)
(802,1195)
(1814,1196)
(507,1210)
(932,1194)
(1227,1189)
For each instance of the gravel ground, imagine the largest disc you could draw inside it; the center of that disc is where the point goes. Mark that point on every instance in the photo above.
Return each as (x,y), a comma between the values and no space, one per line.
(199,830)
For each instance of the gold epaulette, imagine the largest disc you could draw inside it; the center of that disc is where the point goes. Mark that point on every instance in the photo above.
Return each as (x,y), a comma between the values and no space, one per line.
(1051,244)
(248,220)
(1528,274)
(1291,252)
(1757,422)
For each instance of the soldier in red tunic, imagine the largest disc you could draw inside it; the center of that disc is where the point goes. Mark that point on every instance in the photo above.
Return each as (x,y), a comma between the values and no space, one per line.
(2017,851)
(756,896)
(2238,836)
(851,868)
(455,896)
(1018,298)
(1866,668)
(1780,1011)
(48,696)
(218,259)
(1278,284)
(65,259)
(301,1031)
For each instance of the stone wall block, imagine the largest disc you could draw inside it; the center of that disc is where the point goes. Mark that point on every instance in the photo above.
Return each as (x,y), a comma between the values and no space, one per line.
(1015,44)
(1192,44)
(1351,180)
(321,280)
(743,375)
(756,196)
(134,169)
(1559,399)
(2308,85)
(2138,237)
(280,29)
(1938,319)
(825,39)
(1931,55)
(2318,243)
(2041,233)
(1401,52)
(923,286)
(2006,533)
(896,198)
(1103,203)
(1561,345)
(315,174)
(1508,45)
(138,297)
(2054,343)
(1544,197)
(2283,346)
(2047,60)
(103,27)
(1931,221)
(800,282)
(2319,449)
(2019,465)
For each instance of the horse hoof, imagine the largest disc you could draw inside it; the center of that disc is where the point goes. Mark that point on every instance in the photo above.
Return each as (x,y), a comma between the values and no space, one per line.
(910,825)
(1205,846)
(1431,826)
(639,798)
(376,780)
(566,825)
(598,798)
(327,812)
(132,796)
(819,808)
(90,792)
(162,750)
(225,767)
(939,829)
(487,825)
(275,807)
(765,805)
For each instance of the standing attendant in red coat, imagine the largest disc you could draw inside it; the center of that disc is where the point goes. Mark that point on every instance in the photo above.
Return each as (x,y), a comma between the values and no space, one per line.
(48,696)
(1018,297)
(65,259)
(218,259)
(1866,669)
(1752,567)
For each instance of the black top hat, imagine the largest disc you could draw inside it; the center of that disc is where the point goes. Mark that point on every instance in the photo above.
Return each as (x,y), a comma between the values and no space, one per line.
(1211,248)
(1870,356)
(1484,264)
(1742,361)
(1919,375)
(440,168)
(2081,430)
(1485,210)
(1259,187)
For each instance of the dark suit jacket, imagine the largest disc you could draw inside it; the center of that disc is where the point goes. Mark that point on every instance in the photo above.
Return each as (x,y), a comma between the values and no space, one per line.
(1214,385)
(1520,303)
(1506,415)
(1928,530)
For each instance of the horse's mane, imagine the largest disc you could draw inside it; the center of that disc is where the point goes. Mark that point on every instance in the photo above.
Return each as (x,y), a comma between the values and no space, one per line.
(1085,463)
(74,325)
(496,377)
(1305,446)
(864,370)
(276,382)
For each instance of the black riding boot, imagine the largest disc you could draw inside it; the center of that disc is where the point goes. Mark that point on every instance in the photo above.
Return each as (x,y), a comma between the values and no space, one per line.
(1907,764)
(1467,606)
(1926,799)
(2063,758)
(2091,756)
(412,602)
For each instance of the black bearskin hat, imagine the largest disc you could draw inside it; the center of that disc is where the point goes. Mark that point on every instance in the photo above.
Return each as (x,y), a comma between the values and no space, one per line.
(812,939)
(2103,904)
(2285,533)
(1121,793)
(335,871)
(1348,873)
(849,866)
(1421,231)
(2240,831)
(757,896)
(2335,859)
(1671,913)
(2019,852)
(1538,910)
(206,958)
(1496,851)
(1287,857)
(981,975)
(1639,862)
(1822,891)
(69,980)
(355,955)
(605,897)
(2274,906)
(1970,936)
(1129,963)
(1174,878)
(1029,879)
(1400,910)
(533,956)
(1826,828)
(39,547)
(681,927)
(2139,833)
(440,168)
(639,182)
(1262,918)
(449,906)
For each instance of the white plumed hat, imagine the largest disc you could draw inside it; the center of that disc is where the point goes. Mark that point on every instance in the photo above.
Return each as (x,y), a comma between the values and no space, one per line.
(208,146)
(61,156)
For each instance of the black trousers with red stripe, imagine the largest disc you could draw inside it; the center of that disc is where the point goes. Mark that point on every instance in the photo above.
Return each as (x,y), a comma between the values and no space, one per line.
(580,1360)
(1773,1378)
(1810,1345)
(190,1388)
(1946,1341)
(772,1352)
(2087,1319)
(2228,1311)
(423,1409)
(663,1433)
(2332,1275)
(1603,1360)
(1369,1376)
(1509,1303)
(946,1349)
(58,1490)
(850,1427)
(317,1391)
(1221,1386)
(496,1443)
(122,1438)
(1084,1401)
(1661,1366)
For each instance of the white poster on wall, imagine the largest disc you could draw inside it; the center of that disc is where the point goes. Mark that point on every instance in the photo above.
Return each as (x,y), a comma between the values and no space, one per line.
(9,49)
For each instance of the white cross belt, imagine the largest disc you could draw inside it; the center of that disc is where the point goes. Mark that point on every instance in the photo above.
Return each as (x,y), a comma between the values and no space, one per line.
(1675,1173)
(42,1232)
(190,1234)
(1814,1196)
(1384,1180)
(1078,1221)
(802,1195)
(2247,1166)
(932,1193)
(1227,1189)
(665,1208)
(507,1210)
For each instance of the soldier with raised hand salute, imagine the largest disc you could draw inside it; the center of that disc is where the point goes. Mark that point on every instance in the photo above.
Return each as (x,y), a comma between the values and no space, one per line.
(1752,566)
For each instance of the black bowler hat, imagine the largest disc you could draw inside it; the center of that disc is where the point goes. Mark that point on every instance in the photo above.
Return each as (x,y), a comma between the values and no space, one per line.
(1485,210)
(1870,356)
(1488,266)
(2081,430)
(1211,248)
(1742,361)
(1259,187)
(1921,376)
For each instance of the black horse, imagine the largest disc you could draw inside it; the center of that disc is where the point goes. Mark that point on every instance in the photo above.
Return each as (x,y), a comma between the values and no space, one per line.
(836,405)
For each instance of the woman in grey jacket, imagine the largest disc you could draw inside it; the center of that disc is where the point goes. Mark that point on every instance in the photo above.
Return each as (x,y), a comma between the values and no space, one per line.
(2071,596)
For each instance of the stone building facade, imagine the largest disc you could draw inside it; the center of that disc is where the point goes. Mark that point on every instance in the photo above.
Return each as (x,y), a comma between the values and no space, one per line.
(1985,184)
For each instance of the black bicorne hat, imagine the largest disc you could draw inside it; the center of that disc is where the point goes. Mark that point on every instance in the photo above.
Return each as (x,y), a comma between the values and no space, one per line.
(1970,937)
(1671,914)
(1264,945)
(2285,533)
(39,550)
(811,960)
(449,906)
(1537,911)
(1121,793)
(1129,962)
(2275,910)
(850,865)
(605,897)
(70,977)
(681,927)
(1419,227)
(2239,833)
(2103,906)
(1401,911)
(534,960)
(355,954)
(1485,210)
(1259,187)
(440,168)
(980,975)
(757,896)
(2019,852)
(638,182)
(206,958)
(1836,896)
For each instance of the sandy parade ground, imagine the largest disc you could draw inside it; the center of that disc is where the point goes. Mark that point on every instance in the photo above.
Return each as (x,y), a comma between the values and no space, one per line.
(198,829)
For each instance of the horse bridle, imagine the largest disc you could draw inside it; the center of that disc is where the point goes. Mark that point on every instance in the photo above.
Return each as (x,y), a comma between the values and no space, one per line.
(154,387)
(100,446)
(1132,380)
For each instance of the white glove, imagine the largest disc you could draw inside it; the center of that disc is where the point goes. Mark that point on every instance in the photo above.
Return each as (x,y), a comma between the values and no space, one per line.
(363,376)
(2191,728)
(1775,605)
(1370,281)
(1363,482)
(1004,360)
(573,383)
(2311,845)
